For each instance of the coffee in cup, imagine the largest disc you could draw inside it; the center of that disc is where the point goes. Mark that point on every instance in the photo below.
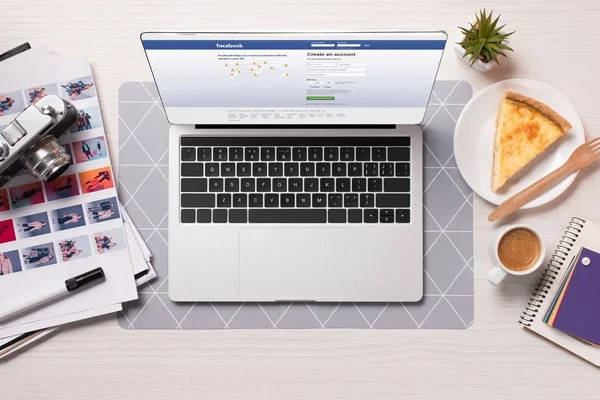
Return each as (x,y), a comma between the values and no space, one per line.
(516,250)
(519,249)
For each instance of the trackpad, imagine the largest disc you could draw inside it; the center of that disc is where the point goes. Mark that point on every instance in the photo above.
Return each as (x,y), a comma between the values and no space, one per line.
(295,264)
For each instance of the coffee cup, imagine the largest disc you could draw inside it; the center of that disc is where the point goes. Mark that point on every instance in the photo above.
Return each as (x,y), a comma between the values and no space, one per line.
(515,250)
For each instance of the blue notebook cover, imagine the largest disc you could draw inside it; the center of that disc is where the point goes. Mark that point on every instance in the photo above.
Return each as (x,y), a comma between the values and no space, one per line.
(579,313)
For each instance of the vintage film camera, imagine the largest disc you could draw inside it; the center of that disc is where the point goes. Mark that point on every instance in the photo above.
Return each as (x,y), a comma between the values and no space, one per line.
(30,140)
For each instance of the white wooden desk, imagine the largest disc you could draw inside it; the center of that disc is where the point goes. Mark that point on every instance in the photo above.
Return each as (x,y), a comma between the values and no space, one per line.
(556,42)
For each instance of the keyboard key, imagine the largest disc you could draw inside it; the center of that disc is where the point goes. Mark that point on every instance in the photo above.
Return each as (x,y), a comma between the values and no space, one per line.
(378,154)
(359,185)
(355,169)
(336,216)
(198,200)
(399,154)
(240,200)
(188,215)
(275,169)
(215,184)
(220,154)
(303,200)
(238,216)
(355,216)
(331,153)
(224,200)
(251,154)
(386,169)
(370,216)
(347,154)
(295,185)
(188,154)
(244,169)
(315,154)
(204,154)
(228,169)
(271,200)
(267,154)
(204,216)
(193,184)
(307,169)
(212,169)
(263,185)
(350,200)
(367,200)
(232,185)
(402,169)
(255,200)
(219,216)
(327,184)
(259,169)
(291,169)
(280,185)
(339,169)
(375,185)
(192,169)
(396,185)
(248,185)
(287,200)
(236,154)
(403,216)
(284,154)
(281,216)
(323,169)
(334,200)
(311,185)
(370,169)
(319,200)
(342,184)
(386,216)
(393,200)
(299,153)
(363,154)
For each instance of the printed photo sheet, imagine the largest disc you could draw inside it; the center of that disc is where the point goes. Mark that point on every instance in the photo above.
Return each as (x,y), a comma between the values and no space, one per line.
(50,232)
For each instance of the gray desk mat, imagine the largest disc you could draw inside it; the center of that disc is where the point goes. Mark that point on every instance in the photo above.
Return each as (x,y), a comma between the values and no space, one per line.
(448,302)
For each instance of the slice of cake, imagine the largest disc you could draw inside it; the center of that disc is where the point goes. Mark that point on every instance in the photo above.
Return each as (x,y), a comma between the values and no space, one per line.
(525,128)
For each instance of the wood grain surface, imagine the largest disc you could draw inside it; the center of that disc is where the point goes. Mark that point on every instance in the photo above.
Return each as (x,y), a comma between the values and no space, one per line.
(556,42)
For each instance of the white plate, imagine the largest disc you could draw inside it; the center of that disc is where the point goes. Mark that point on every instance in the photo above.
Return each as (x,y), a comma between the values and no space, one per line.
(474,142)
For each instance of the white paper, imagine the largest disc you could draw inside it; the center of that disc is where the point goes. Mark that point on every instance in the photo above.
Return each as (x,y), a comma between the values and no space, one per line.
(141,256)
(137,252)
(79,316)
(26,59)
(48,264)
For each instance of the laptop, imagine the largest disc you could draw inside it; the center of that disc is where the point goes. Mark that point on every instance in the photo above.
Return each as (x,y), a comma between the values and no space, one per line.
(295,163)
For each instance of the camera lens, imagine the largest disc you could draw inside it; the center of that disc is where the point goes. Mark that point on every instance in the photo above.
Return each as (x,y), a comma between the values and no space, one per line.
(46,159)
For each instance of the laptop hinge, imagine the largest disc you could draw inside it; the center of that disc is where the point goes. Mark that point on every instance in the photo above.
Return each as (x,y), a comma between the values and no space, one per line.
(293,126)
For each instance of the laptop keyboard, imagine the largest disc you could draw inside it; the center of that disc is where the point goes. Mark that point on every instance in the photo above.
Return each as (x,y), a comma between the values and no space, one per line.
(279,180)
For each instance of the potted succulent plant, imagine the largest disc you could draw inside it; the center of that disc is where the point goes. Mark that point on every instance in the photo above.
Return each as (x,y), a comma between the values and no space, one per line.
(483,41)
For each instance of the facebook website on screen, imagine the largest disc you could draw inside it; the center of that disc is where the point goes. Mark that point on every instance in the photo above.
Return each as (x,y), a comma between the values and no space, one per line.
(299,79)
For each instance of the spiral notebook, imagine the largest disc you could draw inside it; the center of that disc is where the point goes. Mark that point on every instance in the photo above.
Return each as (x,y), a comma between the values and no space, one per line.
(579,233)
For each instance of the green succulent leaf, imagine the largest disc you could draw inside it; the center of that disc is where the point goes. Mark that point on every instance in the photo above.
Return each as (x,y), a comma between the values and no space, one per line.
(485,39)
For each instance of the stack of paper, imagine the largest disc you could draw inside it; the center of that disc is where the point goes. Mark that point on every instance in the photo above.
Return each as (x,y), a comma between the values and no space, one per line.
(50,232)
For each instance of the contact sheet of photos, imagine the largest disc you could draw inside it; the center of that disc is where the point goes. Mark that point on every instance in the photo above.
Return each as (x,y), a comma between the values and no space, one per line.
(68,218)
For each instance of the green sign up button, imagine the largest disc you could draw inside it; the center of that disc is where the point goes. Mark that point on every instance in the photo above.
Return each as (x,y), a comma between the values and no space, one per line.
(320,97)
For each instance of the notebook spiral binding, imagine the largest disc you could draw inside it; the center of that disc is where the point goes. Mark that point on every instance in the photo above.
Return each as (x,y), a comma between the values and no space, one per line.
(553,267)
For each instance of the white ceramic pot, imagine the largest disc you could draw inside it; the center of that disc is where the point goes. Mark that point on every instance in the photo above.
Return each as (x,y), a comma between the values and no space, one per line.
(479,65)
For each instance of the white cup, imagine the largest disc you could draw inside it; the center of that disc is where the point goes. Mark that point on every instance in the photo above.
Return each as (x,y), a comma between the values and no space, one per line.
(499,272)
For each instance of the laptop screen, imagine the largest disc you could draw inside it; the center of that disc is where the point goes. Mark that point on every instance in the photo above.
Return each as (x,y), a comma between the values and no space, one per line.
(294,78)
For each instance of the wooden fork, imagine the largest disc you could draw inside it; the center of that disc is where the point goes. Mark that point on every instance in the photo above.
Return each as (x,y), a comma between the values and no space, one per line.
(583,156)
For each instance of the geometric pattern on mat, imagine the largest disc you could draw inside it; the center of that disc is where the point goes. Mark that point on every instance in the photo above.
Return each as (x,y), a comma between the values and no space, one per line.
(448,302)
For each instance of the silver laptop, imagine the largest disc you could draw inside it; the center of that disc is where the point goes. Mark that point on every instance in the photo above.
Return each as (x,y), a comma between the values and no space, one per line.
(295,163)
